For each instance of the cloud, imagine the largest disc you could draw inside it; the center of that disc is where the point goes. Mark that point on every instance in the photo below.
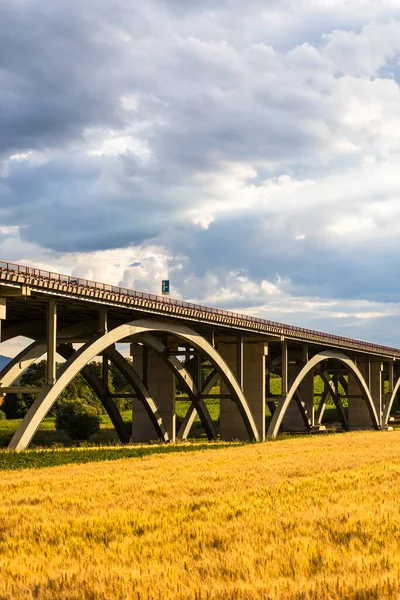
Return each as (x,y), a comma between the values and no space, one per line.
(251,150)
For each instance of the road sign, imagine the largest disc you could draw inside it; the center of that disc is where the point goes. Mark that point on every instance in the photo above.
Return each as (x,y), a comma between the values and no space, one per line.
(165,286)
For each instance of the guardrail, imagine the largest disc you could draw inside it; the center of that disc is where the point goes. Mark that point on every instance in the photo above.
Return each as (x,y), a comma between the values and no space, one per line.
(285,329)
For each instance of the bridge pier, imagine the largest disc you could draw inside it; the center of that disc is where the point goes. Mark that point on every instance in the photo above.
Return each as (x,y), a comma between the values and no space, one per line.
(160,382)
(294,419)
(51,342)
(358,414)
(232,426)
(2,313)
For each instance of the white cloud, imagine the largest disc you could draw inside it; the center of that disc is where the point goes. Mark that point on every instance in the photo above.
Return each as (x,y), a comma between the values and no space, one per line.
(249,151)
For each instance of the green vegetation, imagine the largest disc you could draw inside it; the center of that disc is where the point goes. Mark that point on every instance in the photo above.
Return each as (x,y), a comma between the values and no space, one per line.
(49,434)
(15,406)
(51,457)
(78,419)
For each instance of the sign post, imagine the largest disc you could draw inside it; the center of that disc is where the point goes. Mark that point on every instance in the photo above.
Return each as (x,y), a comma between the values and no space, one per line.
(165,287)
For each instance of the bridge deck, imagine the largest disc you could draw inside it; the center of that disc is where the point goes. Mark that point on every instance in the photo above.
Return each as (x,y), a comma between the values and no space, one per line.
(71,287)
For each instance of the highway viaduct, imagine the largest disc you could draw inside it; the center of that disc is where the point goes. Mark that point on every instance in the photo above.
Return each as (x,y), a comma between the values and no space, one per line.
(172,340)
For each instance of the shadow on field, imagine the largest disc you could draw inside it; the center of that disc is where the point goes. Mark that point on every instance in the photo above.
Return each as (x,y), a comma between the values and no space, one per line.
(47,435)
(55,448)
(10,460)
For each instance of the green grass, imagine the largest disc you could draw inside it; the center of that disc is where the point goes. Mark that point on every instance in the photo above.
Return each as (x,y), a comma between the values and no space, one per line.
(48,436)
(52,457)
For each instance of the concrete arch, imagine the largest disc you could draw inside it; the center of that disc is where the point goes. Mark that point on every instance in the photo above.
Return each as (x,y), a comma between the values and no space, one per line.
(102,393)
(21,362)
(34,351)
(330,390)
(298,397)
(388,407)
(143,394)
(88,351)
(276,420)
(191,414)
(187,380)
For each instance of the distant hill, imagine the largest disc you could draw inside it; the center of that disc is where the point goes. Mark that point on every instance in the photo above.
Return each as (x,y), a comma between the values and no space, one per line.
(4,360)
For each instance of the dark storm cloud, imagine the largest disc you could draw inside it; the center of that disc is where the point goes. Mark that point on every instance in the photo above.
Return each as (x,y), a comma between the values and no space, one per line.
(261,247)
(75,211)
(51,76)
(143,119)
(197,108)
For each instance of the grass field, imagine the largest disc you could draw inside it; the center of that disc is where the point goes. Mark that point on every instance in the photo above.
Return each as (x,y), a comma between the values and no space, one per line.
(300,518)
(48,436)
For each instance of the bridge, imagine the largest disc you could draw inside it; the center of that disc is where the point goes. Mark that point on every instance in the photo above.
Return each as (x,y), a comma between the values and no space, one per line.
(199,346)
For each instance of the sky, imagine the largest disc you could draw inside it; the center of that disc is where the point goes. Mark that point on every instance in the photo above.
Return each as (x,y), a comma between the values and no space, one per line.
(247,151)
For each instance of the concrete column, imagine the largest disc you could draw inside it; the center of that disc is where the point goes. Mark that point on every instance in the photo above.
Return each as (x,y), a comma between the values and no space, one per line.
(145,365)
(284,368)
(254,382)
(103,321)
(391,376)
(376,384)
(161,385)
(358,415)
(293,419)
(104,371)
(51,341)
(239,360)
(307,394)
(197,370)
(2,312)
(304,353)
(231,422)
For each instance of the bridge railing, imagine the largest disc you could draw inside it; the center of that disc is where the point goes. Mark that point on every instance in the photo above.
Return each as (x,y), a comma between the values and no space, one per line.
(87,283)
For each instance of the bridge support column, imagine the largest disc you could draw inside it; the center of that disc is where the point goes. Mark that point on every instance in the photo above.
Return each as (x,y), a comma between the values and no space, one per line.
(358,414)
(294,419)
(376,388)
(254,383)
(51,341)
(391,376)
(161,385)
(2,312)
(253,357)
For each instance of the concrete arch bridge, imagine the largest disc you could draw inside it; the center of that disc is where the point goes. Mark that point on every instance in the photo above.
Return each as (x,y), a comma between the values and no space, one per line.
(262,367)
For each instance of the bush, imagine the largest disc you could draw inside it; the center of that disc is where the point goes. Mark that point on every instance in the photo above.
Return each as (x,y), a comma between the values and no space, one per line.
(78,419)
(65,410)
(2,415)
(15,406)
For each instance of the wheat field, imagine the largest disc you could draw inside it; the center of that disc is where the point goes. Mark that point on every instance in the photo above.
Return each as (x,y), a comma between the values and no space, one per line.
(300,518)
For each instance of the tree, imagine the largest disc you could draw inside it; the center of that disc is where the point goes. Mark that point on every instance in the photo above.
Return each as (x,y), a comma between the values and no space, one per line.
(77,418)
(16,406)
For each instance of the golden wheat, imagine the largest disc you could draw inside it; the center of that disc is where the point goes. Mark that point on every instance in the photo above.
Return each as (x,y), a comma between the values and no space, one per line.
(301,518)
